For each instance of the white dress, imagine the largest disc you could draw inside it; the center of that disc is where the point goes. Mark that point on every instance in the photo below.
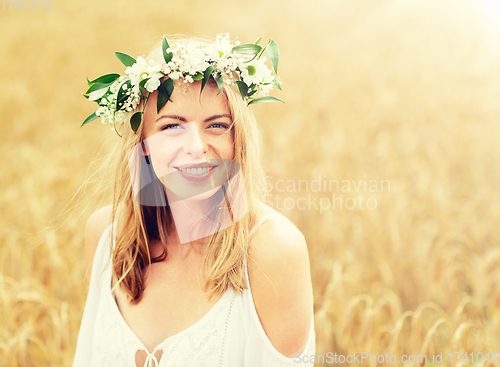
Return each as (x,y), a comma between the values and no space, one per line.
(229,335)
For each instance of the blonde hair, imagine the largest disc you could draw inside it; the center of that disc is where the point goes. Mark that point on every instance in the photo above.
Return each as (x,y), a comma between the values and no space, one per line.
(227,250)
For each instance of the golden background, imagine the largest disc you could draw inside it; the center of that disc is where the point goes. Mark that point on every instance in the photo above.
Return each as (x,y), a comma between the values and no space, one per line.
(406,92)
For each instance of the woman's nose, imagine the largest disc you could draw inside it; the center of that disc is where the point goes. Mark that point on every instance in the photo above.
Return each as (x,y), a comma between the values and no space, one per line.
(194,143)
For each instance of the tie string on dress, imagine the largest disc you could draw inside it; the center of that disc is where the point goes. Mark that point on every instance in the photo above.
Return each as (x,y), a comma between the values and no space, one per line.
(150,359)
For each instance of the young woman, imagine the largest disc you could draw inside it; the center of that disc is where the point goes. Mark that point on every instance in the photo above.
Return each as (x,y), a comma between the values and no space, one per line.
(188,266)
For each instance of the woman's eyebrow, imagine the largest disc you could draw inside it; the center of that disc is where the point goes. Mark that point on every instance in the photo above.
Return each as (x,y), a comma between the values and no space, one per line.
(214,117)
(173,117)
(183,119)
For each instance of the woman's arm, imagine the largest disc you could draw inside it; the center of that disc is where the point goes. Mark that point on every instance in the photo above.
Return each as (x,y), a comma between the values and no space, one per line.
(281,284)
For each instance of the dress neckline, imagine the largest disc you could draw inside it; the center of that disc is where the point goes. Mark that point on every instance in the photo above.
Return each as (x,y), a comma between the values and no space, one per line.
(160,346)
(229,292)
(134,336)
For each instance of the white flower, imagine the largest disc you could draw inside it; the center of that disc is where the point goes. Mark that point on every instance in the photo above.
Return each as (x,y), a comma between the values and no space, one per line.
(256,72)
(152,85)
(154,81)
(221,49)
(143,69)
(189,59)
(175,75)
(264,90)
(166,69)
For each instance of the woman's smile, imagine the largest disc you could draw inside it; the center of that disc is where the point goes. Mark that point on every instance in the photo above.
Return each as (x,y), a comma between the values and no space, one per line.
(196,172)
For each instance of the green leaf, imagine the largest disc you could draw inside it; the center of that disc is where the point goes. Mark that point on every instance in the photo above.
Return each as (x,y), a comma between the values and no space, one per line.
(198,76)
(122,95)
(247,49)
(97,86)
(135,121)
(259,55)
(90,118)
(251,93)
(276,84)
(273,54)
(258,42)
(164,92)
(108,78)
(98,94)
(242,87)
(251,90)
(265,99)
(166,56)
(219,81)
(206,76)
(142,84)
(125,59)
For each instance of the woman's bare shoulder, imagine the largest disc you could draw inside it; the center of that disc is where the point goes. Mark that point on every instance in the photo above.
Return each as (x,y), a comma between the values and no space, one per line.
(276,223)
(281,284)
(96,224)
(277,235)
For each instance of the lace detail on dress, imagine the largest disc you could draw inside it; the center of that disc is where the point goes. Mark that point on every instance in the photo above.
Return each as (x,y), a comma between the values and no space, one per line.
(201,344)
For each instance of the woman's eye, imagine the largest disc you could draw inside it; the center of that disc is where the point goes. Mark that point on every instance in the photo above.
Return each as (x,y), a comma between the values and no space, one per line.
(170,127)
(220,126)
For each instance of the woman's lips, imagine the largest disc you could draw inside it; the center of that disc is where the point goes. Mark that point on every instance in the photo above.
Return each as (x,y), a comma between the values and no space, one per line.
(196,174)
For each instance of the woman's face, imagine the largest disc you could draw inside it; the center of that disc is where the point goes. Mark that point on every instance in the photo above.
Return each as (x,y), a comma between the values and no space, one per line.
(191,141)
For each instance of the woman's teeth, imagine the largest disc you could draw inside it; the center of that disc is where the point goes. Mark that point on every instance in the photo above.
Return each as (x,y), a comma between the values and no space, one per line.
(195,171)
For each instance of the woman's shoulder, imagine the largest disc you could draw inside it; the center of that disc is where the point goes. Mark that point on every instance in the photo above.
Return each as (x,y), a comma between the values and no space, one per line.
(281,284)
(277,239)
(96,225)
(276,224)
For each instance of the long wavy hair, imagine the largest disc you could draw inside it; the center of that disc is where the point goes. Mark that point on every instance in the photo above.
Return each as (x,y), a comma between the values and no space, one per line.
(139,225)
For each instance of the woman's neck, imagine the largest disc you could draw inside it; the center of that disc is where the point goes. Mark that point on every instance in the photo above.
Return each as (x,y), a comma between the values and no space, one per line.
(195,220)
(176,249)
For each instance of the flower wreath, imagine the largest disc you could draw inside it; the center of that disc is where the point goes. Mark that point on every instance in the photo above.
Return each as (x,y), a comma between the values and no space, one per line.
(119,94)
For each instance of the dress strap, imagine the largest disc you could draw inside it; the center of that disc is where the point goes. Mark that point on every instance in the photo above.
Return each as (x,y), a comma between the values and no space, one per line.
(261,221)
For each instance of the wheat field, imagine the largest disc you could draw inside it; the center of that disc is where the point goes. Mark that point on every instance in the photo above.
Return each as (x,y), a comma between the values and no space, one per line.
(385,155)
